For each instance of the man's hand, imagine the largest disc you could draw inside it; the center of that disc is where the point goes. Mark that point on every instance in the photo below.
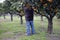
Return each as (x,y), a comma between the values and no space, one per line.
(34,8)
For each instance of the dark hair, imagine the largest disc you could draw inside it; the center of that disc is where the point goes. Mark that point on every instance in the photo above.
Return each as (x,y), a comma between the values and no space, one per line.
(25,3)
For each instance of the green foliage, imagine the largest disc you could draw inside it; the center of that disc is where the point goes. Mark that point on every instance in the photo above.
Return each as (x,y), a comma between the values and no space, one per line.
(13,1)
(45,7)
(17,6)
(1,9)
(12,6)
(58,15)
(6,6)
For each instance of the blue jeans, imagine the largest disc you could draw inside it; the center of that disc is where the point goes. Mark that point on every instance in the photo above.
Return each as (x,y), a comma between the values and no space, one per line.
(30,24)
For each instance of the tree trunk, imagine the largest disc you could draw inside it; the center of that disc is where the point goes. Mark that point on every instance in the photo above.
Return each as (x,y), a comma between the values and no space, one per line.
(50,25)
(21,20)
(4,16)
(11,17)
(41,18)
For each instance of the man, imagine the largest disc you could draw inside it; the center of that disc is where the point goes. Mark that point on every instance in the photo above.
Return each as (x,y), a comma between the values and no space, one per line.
(29,19)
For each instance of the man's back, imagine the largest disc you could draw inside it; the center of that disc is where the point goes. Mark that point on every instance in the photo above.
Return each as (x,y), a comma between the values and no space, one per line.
(28,14)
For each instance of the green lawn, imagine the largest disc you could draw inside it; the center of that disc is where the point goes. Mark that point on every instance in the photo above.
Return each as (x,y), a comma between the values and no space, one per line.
(16,31)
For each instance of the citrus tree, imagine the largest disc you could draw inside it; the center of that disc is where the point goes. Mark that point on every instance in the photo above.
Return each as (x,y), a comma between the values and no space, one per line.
(6,6)
(47,8)
(17,6)
(2,10)
(58,15)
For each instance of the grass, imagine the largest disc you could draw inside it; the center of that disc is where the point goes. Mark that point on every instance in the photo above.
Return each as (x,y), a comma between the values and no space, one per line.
(15,30)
